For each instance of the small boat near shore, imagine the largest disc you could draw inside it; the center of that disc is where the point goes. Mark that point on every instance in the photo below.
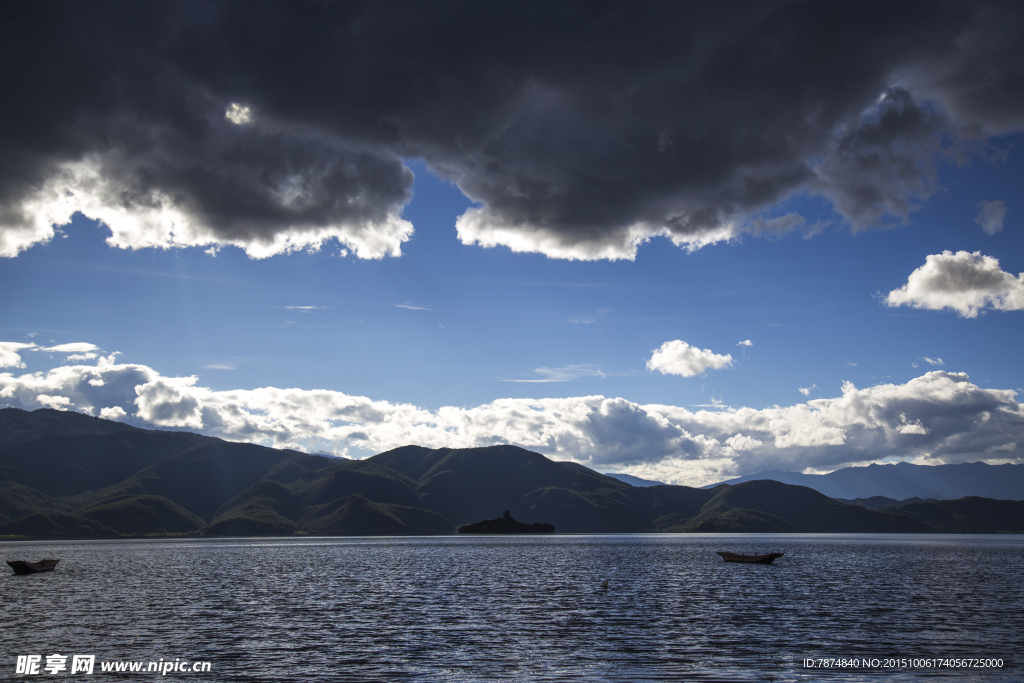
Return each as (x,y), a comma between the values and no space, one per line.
(750,559)
(22,567)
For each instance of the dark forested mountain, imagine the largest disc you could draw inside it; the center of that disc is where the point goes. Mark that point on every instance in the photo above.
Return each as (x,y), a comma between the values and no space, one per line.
(71,475)
(469,484)
(17,426)
(971,515)
(904,480)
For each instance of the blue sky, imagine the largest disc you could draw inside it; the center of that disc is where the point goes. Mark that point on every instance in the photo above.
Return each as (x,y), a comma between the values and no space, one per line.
(453,343)
(481,322)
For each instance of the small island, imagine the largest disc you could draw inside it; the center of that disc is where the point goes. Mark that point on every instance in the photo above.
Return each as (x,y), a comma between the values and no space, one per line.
(506,525)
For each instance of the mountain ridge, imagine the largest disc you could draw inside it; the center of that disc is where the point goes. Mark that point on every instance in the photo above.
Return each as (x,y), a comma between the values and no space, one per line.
(900,481)
(97,479)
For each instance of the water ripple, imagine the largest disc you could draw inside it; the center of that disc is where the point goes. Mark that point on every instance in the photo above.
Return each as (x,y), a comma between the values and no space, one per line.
(522,608)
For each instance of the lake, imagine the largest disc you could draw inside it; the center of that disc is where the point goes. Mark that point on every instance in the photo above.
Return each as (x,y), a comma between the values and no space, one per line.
(521,608)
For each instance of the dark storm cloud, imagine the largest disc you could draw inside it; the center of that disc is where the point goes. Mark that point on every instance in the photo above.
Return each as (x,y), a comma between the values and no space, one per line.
(581,128)
(882,166)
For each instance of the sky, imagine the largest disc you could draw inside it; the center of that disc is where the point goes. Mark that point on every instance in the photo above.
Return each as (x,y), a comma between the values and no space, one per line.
(685,243)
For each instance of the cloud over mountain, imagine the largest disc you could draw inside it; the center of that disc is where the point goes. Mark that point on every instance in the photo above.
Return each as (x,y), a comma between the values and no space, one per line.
(581,129)
(937,417)
(966,282)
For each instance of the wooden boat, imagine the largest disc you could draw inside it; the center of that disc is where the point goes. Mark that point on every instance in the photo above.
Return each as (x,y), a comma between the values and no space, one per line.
(22,567)
(750,559)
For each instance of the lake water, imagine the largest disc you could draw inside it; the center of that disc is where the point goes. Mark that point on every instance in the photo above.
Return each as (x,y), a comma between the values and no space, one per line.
(520,608)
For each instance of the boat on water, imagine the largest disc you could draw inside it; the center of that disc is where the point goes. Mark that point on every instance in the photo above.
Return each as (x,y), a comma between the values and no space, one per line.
(750,559)
(22,567)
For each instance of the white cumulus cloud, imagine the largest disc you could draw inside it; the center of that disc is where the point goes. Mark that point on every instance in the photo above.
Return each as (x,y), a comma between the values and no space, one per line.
(746,342)
(676,357)
(114,413)
(937,417)
(53,402)
(966,282)
(9,356)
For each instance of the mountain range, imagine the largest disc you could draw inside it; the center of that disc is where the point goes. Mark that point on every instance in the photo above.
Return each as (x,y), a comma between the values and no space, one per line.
(65,474)
(904,480)
(634,481)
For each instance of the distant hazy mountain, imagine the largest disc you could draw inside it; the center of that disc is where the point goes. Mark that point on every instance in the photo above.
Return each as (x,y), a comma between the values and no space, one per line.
(71,475)
(903,480)
(634,481)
